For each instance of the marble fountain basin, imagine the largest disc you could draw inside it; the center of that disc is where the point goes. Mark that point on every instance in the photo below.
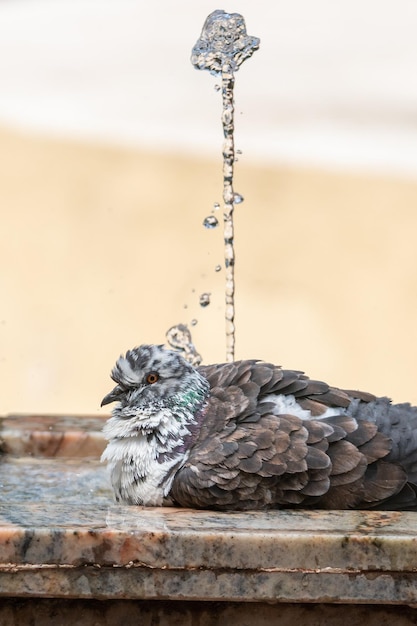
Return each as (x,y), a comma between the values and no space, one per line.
(63,536)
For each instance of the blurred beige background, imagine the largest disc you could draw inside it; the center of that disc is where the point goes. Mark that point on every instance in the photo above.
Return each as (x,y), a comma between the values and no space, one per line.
(110,153)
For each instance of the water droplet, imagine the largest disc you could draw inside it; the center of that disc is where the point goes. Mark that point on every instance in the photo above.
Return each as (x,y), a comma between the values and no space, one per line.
(237,198)
(216,206)
(205,299)
(217,268)
(217,87)
(210,222)
(193,322)
(238,151)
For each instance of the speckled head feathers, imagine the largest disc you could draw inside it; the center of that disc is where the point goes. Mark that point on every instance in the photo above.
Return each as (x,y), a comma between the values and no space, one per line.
(151,375)
(133,368)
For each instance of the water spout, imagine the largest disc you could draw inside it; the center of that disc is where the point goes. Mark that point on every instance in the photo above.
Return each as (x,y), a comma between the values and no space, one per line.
(221,49)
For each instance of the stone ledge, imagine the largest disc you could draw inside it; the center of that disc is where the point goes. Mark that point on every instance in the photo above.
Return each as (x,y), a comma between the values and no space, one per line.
(62,536)
(52,436)
(136,553)
(174,538)
(231,586)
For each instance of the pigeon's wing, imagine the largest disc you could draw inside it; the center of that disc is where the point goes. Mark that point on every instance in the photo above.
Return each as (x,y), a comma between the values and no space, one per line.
(260,380)
(246,457)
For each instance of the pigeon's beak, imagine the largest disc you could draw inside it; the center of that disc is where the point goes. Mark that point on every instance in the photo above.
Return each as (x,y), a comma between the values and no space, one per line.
(113,396)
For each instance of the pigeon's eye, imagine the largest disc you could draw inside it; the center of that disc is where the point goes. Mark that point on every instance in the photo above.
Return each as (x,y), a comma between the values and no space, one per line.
(152,378)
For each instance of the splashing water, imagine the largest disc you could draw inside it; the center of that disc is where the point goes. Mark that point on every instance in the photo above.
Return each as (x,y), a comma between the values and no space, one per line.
(221,49)
(179,338)
(223,42)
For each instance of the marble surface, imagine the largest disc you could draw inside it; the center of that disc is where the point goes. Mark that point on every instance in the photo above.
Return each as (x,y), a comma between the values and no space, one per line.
(62,536)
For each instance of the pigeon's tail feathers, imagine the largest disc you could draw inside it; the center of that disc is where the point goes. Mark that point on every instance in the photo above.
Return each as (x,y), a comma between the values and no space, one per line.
(404,500)
(360,477)
(399,423)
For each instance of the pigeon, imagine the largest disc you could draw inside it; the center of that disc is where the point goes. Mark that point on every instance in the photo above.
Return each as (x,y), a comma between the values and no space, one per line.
(249,435)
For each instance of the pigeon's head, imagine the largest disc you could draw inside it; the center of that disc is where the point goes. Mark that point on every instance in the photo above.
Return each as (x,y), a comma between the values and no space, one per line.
(150,378)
